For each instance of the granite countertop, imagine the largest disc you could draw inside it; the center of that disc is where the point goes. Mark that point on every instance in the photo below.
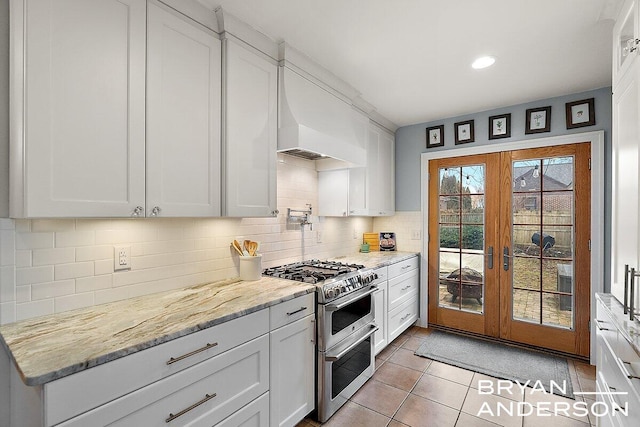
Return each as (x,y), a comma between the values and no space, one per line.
(629,329)
(377,259)
(50,347)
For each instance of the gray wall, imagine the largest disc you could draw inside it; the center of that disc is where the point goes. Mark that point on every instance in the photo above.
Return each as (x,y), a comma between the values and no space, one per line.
(411,141)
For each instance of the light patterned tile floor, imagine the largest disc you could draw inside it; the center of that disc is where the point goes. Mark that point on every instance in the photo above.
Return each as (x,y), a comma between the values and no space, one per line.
(408,390)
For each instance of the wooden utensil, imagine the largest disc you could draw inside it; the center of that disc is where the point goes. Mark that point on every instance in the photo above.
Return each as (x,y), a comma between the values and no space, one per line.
(237,247)
(253,247)
(246,245)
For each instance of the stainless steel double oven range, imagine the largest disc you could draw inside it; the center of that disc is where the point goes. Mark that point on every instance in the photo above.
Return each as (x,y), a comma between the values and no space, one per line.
(345,318)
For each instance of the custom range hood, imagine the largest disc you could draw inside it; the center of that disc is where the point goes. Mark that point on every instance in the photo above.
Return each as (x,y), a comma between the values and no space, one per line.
(315,123)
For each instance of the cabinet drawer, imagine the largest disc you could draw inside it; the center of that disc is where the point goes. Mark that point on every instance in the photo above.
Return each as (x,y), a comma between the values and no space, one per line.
(201,395)
(383,275)
(292,310)
(255,414)
(78,393)
(403,267)
(403,287)
(402,317)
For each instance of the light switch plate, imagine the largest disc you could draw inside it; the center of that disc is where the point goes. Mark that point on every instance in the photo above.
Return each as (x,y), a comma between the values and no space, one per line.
(121,258)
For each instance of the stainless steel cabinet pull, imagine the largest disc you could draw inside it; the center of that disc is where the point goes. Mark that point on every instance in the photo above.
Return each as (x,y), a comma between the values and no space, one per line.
(405,317)
(297,311)
(505,258)
(405,288)
(155,211)
(184,356)
(632,295)
(490,258)
(600,327)
(207,397)
(405,267)
(626,372)
(625,303)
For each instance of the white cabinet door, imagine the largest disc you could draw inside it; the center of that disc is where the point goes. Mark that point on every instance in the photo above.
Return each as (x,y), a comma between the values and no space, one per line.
(292,387)
(625,34)
(625,152)
(380,300)
(381,172)
(78,106)
(183,116)
(250,132)
(333,193)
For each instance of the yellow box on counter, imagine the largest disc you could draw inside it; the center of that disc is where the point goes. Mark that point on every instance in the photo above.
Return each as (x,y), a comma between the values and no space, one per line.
(373,239)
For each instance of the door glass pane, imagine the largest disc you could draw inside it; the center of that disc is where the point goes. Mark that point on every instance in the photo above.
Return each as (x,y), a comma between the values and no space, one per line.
(462,235)
(543,241)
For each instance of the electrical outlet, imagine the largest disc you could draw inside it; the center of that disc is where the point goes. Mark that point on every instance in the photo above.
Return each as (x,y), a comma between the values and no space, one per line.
(355,234)
(121,258)
(319,236)
(415,234)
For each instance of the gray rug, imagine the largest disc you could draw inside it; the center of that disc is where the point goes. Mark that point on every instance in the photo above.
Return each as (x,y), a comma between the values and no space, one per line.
(500,361)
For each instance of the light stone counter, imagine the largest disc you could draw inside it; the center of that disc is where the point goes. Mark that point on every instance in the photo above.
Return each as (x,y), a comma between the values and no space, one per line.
(376,259)
(47,348)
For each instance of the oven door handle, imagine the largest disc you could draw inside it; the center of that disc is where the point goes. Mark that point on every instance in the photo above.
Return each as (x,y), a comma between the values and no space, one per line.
(336,307)
(338,356)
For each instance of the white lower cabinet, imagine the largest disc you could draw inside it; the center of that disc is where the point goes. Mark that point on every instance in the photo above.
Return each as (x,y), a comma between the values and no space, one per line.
(396,300)
(292,367)
(617,365)
(380,298)
(402,301)
(201,395)
(255,370)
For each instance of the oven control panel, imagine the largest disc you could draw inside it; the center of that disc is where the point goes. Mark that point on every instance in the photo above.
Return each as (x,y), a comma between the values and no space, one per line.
(346,285)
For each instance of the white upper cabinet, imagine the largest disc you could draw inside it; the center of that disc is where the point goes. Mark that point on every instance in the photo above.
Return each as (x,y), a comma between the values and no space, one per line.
(626,39)
(380,172)
(250,84)
(625,153)
(77,107)
(362,191)
(183,116)
(333,192)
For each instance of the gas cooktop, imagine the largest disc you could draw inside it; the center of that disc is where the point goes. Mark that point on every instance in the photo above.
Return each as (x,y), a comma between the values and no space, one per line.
(311,271)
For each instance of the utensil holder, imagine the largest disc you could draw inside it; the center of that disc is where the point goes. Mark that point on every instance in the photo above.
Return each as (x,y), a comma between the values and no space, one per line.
(250,267)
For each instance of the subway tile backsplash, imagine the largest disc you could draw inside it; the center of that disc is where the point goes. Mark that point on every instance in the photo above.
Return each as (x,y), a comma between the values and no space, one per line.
(54,265)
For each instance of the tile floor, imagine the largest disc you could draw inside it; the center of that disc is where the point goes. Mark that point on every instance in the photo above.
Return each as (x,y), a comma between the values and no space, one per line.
(408,390)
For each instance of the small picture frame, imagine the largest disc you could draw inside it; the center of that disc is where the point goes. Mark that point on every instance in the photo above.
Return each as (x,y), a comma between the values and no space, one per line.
(435,136)
(580,113)
(464,132)
(500,126)
(538,120)
(387,241)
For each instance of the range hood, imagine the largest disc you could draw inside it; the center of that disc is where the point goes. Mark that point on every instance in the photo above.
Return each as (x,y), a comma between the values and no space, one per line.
(316,124)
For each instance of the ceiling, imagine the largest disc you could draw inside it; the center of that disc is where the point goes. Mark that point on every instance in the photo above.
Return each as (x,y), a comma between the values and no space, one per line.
(412,59)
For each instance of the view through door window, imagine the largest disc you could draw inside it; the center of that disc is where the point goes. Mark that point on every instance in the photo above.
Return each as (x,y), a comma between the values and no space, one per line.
(462,235)
(543,241)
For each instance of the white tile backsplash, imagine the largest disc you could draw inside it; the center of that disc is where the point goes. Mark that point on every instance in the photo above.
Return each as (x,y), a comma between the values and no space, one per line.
(63,264)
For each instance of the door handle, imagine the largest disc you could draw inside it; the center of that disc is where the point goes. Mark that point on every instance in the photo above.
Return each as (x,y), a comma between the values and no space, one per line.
(490,258)
(505,258)
(626,289)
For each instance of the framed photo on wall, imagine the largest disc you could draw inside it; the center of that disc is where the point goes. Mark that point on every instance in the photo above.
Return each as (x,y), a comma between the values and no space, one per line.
(580,113)
(500,126)
(435,136)
(538,120)
(464,132)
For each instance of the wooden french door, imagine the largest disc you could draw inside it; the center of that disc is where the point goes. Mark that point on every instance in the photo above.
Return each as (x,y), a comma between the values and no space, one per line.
(509,246)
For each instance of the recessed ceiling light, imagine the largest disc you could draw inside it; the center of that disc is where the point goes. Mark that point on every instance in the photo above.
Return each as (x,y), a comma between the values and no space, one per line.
(483,62)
